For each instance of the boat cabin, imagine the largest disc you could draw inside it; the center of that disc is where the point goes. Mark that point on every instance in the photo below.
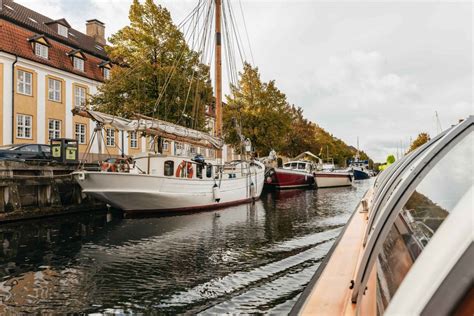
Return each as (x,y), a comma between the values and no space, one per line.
(197,168)
(301,165)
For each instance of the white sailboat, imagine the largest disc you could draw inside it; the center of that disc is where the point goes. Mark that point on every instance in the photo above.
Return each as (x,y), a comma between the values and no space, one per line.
(156,182)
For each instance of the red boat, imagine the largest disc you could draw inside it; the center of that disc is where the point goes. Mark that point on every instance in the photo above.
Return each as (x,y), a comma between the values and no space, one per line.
(293,174)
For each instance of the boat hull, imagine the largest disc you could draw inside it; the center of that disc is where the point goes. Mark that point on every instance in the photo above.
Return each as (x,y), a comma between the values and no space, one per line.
(280,178)
(332,179)
(139,193)
(360,175)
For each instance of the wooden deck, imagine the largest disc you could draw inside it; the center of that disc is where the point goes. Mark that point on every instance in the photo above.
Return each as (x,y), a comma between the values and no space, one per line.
(331,294)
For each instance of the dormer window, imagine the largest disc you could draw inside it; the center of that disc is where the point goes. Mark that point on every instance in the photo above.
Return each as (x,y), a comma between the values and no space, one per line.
(78,63)
(41,50)
(106,73)
(62,30)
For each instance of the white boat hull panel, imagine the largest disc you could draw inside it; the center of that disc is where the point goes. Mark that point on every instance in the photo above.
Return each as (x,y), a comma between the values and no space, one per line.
(332,179)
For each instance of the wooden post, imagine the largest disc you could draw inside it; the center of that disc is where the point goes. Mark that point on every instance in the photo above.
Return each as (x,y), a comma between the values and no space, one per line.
(218,74)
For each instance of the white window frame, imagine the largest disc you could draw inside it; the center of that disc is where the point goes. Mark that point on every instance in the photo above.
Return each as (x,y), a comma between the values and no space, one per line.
(165,145)
(24,82)
(106,73)
(78,63)
(54,90)
(110,137)
(54,128)
(62,30)
(24,126)
(80,133)
(79,96)
(41,50)
(133,139)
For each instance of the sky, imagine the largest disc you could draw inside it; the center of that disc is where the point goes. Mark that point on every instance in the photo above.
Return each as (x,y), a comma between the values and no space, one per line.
(376,70)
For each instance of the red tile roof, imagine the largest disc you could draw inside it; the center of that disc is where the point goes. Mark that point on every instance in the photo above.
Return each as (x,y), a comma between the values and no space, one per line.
(38,23)
(14,40)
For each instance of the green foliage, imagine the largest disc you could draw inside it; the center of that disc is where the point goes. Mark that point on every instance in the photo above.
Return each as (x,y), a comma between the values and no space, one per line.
(156,63)
(271,122)
(420,140)
(261,109)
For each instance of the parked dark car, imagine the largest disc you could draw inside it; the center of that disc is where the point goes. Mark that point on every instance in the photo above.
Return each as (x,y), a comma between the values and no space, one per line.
(26,152)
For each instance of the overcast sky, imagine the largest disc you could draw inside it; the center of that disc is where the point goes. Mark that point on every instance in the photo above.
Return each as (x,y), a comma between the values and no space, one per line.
(377,70)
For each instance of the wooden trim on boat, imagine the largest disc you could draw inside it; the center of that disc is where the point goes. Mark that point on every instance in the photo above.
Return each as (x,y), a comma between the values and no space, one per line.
(329,291)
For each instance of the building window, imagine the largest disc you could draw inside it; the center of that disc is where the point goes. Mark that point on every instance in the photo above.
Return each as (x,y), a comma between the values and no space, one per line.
(81,133)
(24,82)
(41,50)
(165,145)
(106,73)
(78,63)
(192,150)
(62,30)
(133,140)
(169,168)
(179,148)
(54,90)
(79,96)
(54,129)
(110,137)
(24,126)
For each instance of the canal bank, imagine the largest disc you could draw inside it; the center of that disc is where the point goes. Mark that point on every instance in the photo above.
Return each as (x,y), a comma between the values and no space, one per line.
(36,189)
(252,258)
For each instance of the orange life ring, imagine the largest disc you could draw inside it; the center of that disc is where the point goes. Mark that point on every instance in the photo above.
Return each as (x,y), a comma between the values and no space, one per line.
(189,169)
(107,167)
(180,169)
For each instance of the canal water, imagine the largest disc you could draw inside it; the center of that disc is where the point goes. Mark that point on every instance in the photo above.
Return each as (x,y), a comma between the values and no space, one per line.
(244,259)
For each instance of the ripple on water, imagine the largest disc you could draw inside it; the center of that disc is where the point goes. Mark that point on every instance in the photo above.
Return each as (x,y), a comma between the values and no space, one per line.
(250,259)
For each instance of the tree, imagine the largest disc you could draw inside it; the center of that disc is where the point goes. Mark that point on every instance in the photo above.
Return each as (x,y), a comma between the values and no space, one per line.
(420,140)
(159,75)
(262,111)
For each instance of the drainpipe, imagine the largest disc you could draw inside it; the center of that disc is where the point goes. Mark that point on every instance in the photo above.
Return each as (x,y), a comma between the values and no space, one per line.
(13,98)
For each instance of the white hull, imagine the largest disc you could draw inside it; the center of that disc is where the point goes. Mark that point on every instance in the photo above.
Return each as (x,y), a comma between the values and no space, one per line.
(138,192)
(332,179)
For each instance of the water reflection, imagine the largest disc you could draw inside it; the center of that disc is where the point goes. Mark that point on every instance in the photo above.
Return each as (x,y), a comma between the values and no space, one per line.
(249,258)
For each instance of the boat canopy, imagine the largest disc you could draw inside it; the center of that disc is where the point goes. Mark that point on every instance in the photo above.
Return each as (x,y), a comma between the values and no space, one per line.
(152,126)
(308,154)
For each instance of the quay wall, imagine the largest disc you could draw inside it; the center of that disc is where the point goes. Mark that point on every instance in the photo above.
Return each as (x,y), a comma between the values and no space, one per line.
(39,189)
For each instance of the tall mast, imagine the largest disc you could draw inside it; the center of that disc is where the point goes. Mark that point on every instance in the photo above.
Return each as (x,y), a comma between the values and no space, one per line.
(218,66)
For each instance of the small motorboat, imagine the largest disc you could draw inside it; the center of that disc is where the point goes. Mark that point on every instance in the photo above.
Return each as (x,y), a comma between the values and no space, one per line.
(330,179)
(298,173)
(293,174)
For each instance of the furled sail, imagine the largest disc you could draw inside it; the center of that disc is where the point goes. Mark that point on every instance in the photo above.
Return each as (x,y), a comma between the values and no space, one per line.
(154,127)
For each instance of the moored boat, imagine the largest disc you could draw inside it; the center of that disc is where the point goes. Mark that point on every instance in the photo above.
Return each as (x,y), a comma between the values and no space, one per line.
(165,183)
(330,179)
(293,174)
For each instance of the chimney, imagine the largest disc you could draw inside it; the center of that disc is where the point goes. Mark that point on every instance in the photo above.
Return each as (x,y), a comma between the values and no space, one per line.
(96,29)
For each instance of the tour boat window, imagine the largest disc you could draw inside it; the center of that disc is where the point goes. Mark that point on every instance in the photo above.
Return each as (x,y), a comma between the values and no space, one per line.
(209,171)
(294,165)
(169,168)
(301,166)
(424,212)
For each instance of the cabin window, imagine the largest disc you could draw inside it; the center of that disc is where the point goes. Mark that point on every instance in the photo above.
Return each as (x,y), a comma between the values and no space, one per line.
(301,166)
(294,165)
(209,171)
(424,212)
(169,168)
(199,171)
